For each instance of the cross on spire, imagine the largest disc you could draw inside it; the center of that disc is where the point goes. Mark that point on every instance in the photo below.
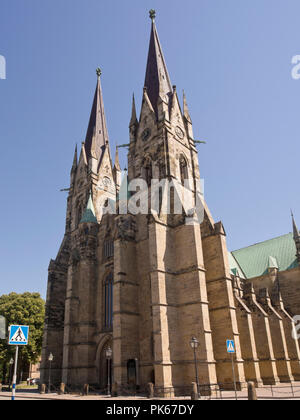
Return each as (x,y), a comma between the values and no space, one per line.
(98,72)
(152,14)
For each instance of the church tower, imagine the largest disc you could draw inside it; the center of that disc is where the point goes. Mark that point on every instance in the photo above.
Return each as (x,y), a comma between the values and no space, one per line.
(161,142)
(168,254)
(130,291)
(73,290)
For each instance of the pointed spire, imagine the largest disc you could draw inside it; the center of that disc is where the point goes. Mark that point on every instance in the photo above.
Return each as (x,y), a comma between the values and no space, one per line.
(117,170)
(133,120)
(89,215)
(296,238)
(75,158)
(74,167)
(117,162)
(186,113)
(295,229)
(157,80)
(97,135)
(83,153)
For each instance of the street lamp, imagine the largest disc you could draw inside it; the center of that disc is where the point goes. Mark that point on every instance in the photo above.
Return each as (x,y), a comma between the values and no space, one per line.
(50,359)
(108,353)
(195,344)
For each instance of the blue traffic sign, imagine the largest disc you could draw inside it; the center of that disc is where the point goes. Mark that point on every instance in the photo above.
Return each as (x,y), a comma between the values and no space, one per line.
(230,346)
(18,335)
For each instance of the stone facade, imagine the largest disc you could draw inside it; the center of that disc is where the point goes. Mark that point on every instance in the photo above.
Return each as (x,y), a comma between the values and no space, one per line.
(145,284)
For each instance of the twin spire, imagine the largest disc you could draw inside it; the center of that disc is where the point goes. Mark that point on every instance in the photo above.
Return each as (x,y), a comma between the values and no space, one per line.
(157,85)
(97,134)
(157,80)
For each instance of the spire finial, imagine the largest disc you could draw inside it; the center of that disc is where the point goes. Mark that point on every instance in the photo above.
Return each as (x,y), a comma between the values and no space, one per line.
(98,71)
(152,14)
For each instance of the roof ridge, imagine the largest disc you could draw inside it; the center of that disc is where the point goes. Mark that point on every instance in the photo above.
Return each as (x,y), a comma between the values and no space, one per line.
(261,242)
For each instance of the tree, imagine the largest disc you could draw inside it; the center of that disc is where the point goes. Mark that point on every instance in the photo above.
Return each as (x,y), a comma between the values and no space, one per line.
(22,309)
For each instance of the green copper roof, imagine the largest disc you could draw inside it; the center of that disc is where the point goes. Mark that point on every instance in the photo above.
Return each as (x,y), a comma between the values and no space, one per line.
(234,267)
(275,253)
(89,216)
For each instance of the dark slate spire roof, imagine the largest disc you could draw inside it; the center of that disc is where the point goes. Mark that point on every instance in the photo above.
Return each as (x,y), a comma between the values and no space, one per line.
(157,80)
(74,166)
(97,135)
(133,119)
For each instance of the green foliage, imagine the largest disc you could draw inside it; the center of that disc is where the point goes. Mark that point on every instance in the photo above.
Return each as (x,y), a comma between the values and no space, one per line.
(23,309)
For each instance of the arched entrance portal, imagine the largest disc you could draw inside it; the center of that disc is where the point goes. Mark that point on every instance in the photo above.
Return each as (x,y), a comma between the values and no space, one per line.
(105,367)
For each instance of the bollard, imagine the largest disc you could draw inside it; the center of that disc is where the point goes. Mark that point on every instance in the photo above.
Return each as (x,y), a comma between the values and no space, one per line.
(62,388)
(86,389)
(114,389)
(43,389)
(252,396)
(150,389)
(194,393)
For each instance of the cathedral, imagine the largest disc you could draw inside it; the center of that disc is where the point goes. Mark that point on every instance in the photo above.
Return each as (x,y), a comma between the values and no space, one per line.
(128,291)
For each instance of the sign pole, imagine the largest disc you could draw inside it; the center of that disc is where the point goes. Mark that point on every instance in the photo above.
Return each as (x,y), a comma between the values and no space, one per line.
(15,375)
(18,336)
(233,375)
(231,350)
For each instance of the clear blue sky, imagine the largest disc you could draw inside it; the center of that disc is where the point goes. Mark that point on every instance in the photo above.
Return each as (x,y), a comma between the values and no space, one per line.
(232,58)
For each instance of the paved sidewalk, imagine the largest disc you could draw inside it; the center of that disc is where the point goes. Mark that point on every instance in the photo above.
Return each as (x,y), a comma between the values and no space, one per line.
(53,396)
(282,391)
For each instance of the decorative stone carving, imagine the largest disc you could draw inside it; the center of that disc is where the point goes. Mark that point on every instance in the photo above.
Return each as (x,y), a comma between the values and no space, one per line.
(126,228)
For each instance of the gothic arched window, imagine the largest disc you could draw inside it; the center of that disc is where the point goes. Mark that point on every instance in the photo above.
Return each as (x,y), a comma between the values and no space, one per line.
(183,169)
(108,301)
(108,248)
(148,173)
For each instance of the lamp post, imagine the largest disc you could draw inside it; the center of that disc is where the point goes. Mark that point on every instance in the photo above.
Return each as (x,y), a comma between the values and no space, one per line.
(50,359)
(194,344)
(108,353)
(11,362)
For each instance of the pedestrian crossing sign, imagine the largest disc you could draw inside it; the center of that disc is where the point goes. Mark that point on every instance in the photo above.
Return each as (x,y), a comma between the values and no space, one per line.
(18,335)
(230,346)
